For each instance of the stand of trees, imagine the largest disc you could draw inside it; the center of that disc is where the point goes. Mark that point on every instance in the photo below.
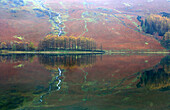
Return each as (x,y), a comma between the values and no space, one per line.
(53,42)
(17,46)
(156,24)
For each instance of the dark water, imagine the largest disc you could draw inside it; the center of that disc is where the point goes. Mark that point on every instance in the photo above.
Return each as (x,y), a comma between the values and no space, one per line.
(84,82)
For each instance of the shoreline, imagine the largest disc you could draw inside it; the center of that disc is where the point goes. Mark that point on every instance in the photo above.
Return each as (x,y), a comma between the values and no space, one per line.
(50,52)
(2,52)
(158,52)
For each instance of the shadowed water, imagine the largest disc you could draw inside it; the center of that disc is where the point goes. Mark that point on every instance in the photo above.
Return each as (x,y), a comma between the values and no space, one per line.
(84,82)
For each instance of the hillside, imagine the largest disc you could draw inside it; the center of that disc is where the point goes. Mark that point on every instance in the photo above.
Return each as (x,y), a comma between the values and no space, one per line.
(112,24)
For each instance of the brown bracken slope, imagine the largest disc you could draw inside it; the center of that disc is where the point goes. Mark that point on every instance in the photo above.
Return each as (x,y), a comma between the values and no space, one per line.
(112,24)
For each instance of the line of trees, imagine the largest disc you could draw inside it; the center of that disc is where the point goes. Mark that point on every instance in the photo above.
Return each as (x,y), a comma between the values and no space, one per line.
(17,46)
(53,42)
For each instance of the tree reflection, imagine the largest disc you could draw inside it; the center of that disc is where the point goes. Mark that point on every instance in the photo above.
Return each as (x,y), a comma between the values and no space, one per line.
(66,61)
(12,58)
(156,78)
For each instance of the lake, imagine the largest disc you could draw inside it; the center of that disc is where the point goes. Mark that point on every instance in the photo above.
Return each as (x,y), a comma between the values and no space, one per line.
(85,82)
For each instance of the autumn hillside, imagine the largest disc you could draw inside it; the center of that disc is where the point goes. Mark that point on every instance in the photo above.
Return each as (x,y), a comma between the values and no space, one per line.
(111,23)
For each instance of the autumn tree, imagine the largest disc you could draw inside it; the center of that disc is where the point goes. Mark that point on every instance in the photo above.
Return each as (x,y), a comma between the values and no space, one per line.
(3,45)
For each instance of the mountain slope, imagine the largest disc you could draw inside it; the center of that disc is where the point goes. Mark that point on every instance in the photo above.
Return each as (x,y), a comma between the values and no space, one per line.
(112,24)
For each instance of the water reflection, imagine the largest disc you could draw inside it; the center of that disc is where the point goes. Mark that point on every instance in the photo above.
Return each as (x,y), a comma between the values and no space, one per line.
(16,58)
(52,60)
(70,61)
(54,83)
(80,81)
(157,78)
(24,79)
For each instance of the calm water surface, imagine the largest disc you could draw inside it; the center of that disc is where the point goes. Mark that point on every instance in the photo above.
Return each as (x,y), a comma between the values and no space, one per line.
(84,82)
